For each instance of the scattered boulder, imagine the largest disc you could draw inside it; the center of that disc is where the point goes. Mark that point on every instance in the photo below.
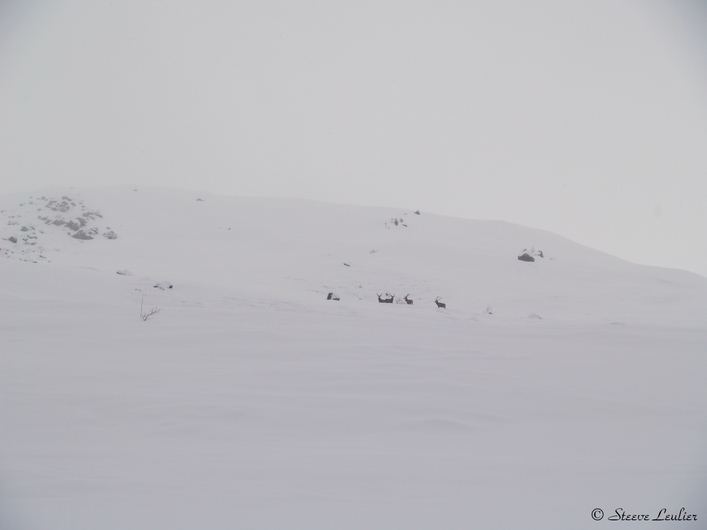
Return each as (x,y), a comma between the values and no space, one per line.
(92,215)
(76,224)
(57,206)
(163,285)
(530,255)
(110,235)
(12,239)
(81,235)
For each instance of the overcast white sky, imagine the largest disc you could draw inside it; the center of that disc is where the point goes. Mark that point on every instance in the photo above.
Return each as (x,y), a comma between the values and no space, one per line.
(585,118)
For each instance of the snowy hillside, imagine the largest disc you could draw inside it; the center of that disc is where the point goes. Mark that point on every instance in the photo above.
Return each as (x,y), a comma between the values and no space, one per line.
(280,249)
(542,391)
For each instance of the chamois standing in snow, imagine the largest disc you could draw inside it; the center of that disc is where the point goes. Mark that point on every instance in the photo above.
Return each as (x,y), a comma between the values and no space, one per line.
(409,302)
(440,304)
(386,300)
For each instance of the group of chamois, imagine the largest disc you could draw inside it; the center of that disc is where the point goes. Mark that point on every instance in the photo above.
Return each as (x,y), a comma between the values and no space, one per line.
(408,301)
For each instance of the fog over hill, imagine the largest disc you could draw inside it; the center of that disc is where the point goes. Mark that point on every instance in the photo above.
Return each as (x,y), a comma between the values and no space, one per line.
(248,399)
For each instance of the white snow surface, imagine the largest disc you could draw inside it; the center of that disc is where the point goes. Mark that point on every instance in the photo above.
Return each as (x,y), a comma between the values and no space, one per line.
(544,390)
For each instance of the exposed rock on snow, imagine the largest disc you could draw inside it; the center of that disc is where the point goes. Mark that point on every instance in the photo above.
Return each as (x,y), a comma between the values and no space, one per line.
(64,215)
(82,235)
(530,255)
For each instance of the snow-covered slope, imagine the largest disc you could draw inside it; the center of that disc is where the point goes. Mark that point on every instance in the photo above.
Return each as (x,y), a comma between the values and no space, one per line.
(300,250)
(544,390)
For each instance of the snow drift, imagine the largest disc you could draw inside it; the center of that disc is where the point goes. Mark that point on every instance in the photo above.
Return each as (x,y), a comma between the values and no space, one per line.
(542,391)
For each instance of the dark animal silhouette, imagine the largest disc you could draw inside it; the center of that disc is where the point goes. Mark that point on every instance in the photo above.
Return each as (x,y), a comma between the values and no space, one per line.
(386,300)
(440,304)
(409,302)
